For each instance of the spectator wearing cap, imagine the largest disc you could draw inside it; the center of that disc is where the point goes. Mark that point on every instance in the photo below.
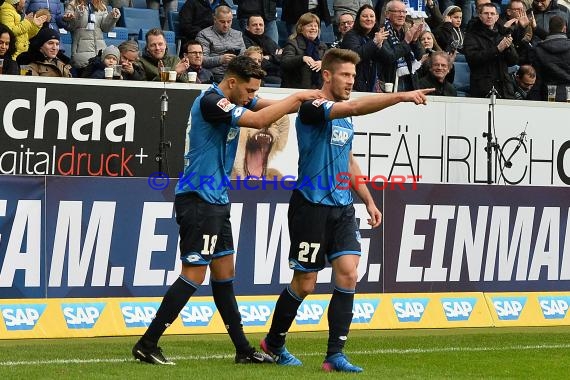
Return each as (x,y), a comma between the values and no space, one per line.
(108,57)
(23,29)
(44,56)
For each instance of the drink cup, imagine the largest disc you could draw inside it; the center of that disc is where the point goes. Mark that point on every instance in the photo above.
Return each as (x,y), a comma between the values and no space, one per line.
(117,70)
(192,77)
(1,65)
(172,76)
(163,71)
(109,72)
(389,87)
(551,93)
(25,70)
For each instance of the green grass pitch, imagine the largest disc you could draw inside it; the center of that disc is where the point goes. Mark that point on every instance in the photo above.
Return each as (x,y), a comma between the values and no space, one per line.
(483,353)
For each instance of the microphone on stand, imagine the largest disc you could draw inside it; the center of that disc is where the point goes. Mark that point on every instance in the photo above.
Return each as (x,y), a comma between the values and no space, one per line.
(163,104)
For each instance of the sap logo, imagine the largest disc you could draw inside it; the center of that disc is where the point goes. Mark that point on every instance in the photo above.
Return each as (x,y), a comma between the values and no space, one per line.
(364,309)
(458,309)
(138,314)
(310,312)
(82,315)
(409,309)
(197,313)
(22,317)
(508,308)
(255,313)
(340,135)
(554,307)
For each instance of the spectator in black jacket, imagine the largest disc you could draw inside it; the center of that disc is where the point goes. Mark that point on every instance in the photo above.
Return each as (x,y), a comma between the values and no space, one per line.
(551,57)
(489,50)
(254,36)
(264,8)
(438,65)
(293,9)
(129,59)
(544,10)
(196,15)
(366,39)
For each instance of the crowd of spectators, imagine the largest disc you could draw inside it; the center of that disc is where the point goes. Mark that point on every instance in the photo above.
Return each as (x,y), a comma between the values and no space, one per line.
(515,50)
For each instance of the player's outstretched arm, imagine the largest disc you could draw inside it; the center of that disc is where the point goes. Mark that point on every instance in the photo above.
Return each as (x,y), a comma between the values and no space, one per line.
(262,118)
(363,193)
(373,103)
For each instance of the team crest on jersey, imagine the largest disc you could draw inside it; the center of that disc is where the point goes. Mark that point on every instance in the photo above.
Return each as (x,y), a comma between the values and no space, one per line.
(225,105)
(232,133)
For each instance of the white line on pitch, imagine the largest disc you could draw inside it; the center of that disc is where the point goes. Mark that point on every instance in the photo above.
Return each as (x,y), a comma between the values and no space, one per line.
(387,351)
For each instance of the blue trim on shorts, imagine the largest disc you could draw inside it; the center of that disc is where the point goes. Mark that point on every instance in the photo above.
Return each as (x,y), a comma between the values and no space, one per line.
(222,281)
(293,294)
(342,290)
(217,255)
(336,255)
(191,283)
(197,259)
(294,264)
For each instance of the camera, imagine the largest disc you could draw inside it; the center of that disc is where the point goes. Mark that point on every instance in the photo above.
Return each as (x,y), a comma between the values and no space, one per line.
(453,46)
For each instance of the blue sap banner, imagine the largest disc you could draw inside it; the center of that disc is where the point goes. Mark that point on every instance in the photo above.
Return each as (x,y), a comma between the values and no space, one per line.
(477,238)
(117,237)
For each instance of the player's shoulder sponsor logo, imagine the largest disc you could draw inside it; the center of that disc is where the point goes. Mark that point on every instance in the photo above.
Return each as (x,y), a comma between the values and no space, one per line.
(225,105)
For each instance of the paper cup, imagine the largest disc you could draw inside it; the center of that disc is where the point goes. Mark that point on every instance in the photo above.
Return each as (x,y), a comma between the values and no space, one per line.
(389,87)
(192,76)
(172,76)
(109,72)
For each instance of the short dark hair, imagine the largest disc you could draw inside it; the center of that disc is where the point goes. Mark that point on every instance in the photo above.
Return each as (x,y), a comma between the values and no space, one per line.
(486,5)
(188,43)
(255,15)
(556,25)
(335,56)
(154,32)
(244,68)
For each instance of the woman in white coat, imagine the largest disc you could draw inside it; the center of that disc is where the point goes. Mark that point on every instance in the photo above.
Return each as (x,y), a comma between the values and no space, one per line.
(87,21)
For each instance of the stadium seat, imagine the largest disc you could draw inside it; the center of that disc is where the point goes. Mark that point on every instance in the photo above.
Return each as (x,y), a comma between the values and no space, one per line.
(118,33)
(173,19)
(65,38)
(327,34)
(113,41)
(135,19)
(461,80)
(180,4)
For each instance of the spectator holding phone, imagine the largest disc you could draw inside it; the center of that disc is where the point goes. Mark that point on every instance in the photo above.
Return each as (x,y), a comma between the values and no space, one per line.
(220,43)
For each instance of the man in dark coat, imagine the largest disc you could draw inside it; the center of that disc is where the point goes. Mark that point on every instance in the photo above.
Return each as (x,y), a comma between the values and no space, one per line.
(489,50)
(438,65)
(264,8)
(196,15)
(551,58)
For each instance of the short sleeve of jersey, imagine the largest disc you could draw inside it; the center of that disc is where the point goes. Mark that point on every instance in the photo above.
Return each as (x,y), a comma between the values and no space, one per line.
(315,112)
(218,109)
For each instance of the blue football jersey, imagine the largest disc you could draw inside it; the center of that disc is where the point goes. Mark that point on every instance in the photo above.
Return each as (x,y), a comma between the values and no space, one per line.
(324,151)
(213,136)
